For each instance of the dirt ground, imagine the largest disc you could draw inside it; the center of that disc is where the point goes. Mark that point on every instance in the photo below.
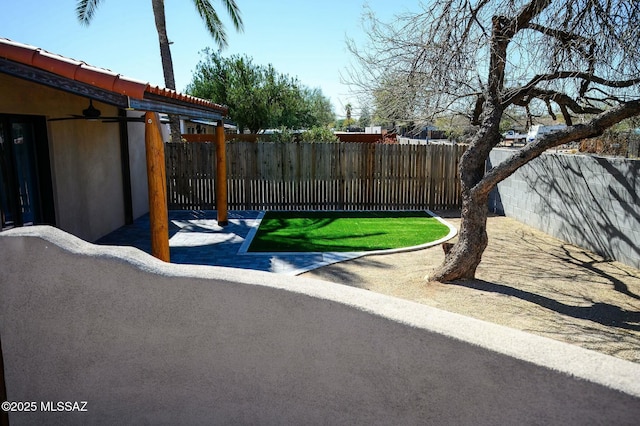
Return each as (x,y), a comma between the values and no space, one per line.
(527,280)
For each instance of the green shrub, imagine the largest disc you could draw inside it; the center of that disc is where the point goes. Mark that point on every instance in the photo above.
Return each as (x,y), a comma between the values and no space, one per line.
(319,134)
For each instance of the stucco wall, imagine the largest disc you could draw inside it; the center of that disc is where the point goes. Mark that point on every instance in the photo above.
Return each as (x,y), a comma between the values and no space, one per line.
(138,163)
(144,342)
(138,167)
(85,157)
(590,201)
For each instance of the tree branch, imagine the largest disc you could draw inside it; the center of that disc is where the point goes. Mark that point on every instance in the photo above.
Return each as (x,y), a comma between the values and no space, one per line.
(513,94)
(563,99)
(563,37)
(530,11)
(595,127)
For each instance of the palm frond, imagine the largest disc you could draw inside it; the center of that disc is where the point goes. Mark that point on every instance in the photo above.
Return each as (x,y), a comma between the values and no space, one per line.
(234,13)
(213,23)
(85,10)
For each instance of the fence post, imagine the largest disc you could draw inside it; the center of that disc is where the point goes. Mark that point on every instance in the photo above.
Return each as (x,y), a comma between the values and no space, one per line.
(221,175)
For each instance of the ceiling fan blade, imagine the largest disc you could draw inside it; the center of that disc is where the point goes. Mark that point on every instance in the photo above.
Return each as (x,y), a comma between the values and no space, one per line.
(139,119)
(124,119)
(135,119)
(65,118)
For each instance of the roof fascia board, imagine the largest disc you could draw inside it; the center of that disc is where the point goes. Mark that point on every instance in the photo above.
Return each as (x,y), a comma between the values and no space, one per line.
(160,105)
(55,81)
(222,112)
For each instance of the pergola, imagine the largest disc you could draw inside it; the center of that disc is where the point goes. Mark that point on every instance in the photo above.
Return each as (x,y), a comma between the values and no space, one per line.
(38,66)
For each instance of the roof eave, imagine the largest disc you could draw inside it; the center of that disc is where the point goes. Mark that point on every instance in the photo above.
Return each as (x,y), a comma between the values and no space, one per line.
(55,81)
(171,106)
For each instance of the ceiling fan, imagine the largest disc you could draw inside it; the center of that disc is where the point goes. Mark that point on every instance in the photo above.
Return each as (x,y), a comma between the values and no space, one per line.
(91,113)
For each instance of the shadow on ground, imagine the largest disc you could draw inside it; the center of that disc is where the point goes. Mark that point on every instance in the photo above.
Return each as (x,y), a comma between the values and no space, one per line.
(527,280)
(598,312)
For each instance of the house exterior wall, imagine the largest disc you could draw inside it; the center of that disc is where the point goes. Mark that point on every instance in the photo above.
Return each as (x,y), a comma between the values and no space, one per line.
(85,157)
(147,342)
(138,163)
(138,167)
(191,128)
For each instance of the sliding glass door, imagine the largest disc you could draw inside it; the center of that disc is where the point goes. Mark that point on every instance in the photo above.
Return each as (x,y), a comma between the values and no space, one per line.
(25,174)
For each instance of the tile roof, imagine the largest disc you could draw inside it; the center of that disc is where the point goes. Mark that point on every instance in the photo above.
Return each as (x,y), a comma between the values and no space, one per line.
(97,77)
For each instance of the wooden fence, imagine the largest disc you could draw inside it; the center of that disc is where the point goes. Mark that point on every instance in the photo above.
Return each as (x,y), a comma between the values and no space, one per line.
(316,176)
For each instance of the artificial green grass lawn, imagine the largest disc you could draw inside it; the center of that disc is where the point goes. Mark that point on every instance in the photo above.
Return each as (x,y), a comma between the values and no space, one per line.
(344,231)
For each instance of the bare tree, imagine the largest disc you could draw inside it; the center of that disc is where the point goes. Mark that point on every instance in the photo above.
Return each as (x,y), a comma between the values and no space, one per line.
(578,59)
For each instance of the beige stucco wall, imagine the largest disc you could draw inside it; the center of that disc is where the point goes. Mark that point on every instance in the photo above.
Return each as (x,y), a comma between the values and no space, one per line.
(146,342)
(85,157)
(137,159)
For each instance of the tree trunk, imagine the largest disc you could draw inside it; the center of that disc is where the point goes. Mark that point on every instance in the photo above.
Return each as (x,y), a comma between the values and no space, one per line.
(167,62)
(464,257)
(174,126)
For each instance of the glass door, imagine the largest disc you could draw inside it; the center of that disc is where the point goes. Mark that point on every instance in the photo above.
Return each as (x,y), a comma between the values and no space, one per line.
(8,197)
(21,173)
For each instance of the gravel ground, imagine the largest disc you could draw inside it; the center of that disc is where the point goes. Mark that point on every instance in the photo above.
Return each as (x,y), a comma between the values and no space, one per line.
(527,280)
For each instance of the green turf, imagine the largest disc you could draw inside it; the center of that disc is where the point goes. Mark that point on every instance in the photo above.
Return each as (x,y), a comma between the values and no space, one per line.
(344,231)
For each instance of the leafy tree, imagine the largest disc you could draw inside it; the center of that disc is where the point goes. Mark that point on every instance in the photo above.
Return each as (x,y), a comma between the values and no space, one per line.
(258,96)
(343,124)
(320,107)
(85,10)
(578,59)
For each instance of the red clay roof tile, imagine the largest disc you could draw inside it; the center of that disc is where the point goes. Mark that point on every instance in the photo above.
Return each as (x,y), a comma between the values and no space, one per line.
(15,51)
(96,77)
(129,87)
(54,63)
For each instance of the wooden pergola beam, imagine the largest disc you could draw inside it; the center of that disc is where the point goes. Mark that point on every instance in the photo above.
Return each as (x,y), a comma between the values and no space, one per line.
(157,181)
(221,175)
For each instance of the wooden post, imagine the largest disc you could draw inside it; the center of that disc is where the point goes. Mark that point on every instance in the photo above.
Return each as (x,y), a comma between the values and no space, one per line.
(157,179)
(221,175)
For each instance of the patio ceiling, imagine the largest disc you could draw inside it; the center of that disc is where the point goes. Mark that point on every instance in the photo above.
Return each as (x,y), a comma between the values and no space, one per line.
(42,67)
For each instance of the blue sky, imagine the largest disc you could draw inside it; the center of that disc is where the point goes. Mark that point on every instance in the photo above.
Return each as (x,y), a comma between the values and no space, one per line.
(302,38)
